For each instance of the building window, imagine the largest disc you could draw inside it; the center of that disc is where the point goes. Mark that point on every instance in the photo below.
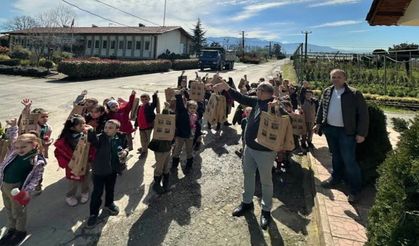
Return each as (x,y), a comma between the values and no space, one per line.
(105,44)
(147,45)
(113,44)
(129,45)
(138,45)
(89,44)
(97,44)
(121,45)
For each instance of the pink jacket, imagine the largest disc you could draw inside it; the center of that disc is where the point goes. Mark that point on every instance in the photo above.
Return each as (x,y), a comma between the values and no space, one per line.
(123,116)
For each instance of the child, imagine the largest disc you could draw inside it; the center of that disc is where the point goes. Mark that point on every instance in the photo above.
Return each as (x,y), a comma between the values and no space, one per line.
(121,114)
(97,118)
(243,125)
(161,150)
(145,120)
(309,109)
(186,125)
(22,169)
(111,150)
(65,145)
(44,131)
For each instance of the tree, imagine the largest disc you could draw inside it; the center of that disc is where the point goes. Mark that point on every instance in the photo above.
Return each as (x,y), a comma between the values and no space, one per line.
(21,23)
(277,51)
(215,45)
(198,39)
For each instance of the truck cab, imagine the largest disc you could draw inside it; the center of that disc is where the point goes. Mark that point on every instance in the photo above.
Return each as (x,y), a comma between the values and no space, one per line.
(216,59)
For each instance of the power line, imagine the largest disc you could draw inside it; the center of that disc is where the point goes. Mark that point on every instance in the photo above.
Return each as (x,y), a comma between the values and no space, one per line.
(87,11)
(123,11)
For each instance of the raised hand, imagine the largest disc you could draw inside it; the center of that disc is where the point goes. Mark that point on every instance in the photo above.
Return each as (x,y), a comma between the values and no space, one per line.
(12,122)
(84,93)
(27,102)
(133,92)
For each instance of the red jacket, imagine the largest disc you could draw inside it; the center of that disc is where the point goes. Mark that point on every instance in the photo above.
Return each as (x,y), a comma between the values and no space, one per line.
(63,153)
(122,115)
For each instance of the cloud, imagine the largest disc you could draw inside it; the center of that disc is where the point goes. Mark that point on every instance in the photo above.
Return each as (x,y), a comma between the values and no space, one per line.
(333,2)
(338,23)
(254,9)
(358,31)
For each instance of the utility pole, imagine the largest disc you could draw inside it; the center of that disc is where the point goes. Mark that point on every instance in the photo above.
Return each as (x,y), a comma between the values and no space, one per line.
(164,15)
(270,49)
(306,33)
(243,44)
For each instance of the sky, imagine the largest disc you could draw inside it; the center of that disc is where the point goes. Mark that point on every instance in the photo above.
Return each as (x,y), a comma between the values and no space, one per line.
(339,24)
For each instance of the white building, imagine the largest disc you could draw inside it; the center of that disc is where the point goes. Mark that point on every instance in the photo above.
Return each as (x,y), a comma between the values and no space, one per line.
(144,42)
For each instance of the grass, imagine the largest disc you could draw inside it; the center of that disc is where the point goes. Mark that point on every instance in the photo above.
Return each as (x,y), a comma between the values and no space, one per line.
(288,72)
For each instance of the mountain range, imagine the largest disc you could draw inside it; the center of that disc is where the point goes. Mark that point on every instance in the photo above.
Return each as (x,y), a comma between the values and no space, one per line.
(288,48)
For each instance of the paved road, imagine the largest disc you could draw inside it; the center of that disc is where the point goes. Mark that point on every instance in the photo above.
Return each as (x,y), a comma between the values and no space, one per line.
(196,211)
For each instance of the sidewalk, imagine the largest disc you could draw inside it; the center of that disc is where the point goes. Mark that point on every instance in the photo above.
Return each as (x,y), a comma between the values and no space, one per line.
(339,222)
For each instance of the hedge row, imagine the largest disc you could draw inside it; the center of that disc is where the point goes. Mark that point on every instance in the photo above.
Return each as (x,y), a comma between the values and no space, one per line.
(92,68)
(185,64)
(24,71)
(10,62)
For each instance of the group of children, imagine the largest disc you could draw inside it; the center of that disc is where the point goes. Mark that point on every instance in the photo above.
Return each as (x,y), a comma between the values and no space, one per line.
(108,129)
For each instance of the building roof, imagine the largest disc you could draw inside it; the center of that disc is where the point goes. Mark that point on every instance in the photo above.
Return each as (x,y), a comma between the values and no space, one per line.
(103,30)
(394,12)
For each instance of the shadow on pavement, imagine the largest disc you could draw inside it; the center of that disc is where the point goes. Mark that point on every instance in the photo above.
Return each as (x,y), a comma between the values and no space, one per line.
(153,225)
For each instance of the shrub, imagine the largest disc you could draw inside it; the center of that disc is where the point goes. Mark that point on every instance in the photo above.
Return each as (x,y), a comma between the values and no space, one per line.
(185,64)
(172,56)
(10,62)
(4,50)
(4,57)
(58,56)
(24,71)
(25,63)
(370,154)
(93,68)
(399,124)
(252,59)
(20,53)
(394,217)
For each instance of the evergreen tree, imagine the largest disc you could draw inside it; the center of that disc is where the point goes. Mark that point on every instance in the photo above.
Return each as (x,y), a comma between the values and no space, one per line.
(198,39)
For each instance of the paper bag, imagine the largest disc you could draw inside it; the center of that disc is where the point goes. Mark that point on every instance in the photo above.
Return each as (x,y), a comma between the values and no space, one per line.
(164,127)
(77,109)
(197,91)
(134,109)
(79,161)
(275,132)
(28,122)
(170,94)
(221,109)
(210,114)
(4,148)
(298,124)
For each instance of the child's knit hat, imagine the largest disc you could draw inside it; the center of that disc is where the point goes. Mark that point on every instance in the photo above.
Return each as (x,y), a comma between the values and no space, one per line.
(111,103)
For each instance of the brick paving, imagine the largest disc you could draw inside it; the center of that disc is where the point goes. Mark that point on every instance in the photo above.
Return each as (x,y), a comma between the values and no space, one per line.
(339,222)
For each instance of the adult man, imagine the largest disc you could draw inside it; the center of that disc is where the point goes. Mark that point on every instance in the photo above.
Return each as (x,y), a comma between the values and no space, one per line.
(343,117)
(255,155)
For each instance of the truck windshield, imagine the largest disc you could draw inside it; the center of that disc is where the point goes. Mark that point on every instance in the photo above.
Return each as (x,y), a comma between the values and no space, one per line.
(209,54)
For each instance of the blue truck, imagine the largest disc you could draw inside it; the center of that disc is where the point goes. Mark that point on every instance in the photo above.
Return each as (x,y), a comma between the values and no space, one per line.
(216,58)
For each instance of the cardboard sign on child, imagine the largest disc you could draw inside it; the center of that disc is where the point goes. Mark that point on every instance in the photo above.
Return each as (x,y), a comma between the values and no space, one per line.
(197,91)
(164,127)
(275,132)
(79,161)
